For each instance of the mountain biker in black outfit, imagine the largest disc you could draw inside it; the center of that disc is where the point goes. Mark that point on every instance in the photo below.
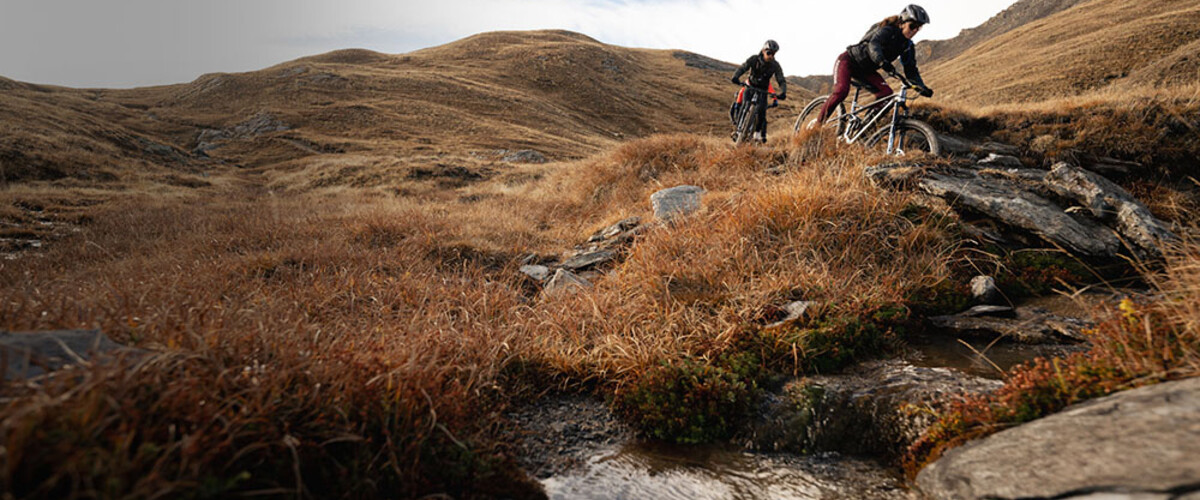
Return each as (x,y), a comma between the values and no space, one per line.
(881,45)
(762,66)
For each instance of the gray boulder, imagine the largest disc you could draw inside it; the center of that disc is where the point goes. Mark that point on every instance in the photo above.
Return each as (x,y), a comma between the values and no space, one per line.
(1040,203)
(1108,201)
(1138,442)
(1007,201)
(675,202)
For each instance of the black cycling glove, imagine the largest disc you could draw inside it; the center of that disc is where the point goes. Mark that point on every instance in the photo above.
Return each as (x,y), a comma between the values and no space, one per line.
(735,81)
(925,91)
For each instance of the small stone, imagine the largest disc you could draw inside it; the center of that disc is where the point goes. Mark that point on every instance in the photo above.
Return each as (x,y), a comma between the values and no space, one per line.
(565,281)
(795,311)
(984,290)
(1000,161)
(536,272)
(587,260)
(675,202)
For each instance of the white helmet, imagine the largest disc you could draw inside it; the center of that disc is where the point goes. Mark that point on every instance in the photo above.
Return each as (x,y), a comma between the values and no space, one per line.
(914,12)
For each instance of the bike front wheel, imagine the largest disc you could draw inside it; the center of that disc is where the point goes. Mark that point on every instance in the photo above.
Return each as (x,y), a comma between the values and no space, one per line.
(745,125)
(912,137)
(813,109)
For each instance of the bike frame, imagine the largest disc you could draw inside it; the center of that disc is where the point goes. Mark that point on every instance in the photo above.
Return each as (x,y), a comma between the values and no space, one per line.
(862,119)
(750,100)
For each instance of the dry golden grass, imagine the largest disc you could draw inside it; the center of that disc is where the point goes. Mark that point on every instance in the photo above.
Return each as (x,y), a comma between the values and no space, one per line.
(314,339)
(1092,46)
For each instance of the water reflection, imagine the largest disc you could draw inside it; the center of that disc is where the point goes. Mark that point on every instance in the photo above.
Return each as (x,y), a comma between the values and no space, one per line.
(661,471)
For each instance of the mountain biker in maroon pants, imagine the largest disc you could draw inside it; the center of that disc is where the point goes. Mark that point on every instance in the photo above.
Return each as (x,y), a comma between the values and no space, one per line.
(762,66)
(878,48)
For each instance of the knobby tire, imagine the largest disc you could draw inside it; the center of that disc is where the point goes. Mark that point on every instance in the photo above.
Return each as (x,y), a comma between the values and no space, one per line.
(912,136)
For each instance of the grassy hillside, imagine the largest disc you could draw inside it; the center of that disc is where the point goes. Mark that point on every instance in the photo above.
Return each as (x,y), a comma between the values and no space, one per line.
(1099,45)
(560,93)
(321,258)
(1015,16)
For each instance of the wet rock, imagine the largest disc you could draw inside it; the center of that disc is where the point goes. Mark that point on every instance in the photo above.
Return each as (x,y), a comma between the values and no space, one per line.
(985,291)
(675,202)
(35,353)
(557,432)
(1028,325)
(539,273)
(877,408)
(1108,201)
(524,156)
(565,281)
(1136,442)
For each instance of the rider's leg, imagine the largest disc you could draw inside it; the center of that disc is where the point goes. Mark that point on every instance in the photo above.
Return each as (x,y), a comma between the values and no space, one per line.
(878,85)
(841,86)
(760,121)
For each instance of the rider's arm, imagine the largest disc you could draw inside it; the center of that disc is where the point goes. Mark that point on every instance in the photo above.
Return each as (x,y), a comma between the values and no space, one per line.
(875,47)
(742,69)
(908,58)
(781,79)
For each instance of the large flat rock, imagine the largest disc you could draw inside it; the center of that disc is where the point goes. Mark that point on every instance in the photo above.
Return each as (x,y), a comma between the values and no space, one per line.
(1142,441)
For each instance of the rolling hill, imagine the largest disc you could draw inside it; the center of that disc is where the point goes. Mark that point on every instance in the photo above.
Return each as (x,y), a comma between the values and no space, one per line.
(1099,45)
(560,93)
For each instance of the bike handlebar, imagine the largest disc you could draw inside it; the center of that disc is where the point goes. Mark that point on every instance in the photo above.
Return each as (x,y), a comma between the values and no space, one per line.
(747,85)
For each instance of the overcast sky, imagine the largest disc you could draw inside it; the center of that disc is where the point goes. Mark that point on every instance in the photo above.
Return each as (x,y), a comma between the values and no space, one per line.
(128,43)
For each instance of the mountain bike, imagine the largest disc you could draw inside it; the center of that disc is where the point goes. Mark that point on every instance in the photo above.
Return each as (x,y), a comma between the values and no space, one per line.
(743,116)
(897,134)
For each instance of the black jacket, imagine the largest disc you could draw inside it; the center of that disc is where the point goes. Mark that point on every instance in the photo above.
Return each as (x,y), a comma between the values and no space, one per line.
(882,45)
(761,72)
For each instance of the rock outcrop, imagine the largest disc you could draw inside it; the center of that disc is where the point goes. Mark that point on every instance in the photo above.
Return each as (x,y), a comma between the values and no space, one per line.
(1041,203)
(1134,444)
(877,408)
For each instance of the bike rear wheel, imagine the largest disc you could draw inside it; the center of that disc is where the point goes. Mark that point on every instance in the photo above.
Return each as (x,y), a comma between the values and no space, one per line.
(912,136)
(813,109)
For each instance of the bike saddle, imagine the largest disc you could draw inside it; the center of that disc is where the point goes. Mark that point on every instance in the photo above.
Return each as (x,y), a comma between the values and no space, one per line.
(859,84)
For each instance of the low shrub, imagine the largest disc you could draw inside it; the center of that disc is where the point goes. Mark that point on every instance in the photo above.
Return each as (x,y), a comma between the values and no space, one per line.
(687,401)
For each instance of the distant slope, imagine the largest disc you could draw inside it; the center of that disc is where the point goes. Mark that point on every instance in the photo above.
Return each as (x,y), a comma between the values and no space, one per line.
(1015,16)
(561,93)
(1094,45)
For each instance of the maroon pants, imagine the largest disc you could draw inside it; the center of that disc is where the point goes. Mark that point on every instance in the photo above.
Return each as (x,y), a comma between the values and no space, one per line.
(843,71)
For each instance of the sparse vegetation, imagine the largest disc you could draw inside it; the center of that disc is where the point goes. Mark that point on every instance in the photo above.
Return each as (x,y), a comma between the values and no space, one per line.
(1139,343)
(329,298)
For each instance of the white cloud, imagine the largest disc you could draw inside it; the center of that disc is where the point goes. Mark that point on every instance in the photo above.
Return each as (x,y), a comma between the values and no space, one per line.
(140,42)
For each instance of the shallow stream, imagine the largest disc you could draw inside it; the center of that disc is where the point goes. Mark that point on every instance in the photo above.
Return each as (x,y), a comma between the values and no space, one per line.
(660,471)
